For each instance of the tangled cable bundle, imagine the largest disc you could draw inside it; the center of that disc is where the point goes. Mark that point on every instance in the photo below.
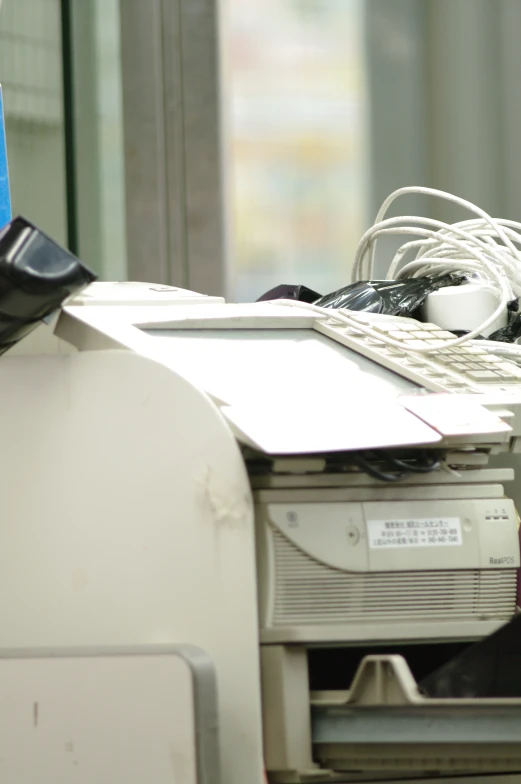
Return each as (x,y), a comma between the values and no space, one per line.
(485,248)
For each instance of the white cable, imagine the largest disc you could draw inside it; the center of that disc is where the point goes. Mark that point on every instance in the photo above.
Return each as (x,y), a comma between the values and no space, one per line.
(484,247)
(495,225)
(480,251)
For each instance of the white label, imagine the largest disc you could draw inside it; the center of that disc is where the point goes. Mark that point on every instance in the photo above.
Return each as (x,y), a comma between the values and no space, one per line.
(418,532)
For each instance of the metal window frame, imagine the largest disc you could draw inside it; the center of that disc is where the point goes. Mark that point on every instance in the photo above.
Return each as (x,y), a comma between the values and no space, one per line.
(173,139)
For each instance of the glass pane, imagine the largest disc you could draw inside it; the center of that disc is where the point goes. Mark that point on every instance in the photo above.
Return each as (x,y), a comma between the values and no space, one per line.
(99,137)
(298,128)
(31,77)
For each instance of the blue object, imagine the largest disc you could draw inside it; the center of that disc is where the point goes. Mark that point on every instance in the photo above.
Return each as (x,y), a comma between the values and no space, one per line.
(5,197)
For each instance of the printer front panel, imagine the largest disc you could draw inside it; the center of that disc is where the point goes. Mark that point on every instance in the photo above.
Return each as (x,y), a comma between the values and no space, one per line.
(331,572)
(342,580)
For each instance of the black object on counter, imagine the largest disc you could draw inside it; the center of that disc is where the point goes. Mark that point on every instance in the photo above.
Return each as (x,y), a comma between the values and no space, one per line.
(36,276)
(512,331)
(391,297)
(490,668)
(300,293)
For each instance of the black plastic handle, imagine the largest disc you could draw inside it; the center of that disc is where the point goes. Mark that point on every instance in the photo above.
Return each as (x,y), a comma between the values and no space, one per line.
(36,276)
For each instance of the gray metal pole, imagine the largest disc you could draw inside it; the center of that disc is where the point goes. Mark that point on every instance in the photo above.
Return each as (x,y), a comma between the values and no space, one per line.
(175,197)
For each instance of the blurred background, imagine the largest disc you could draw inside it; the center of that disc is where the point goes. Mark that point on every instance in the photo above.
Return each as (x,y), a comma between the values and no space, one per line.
(231,147)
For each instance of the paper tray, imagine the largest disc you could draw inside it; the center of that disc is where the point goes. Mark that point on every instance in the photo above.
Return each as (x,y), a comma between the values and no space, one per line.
(385,724)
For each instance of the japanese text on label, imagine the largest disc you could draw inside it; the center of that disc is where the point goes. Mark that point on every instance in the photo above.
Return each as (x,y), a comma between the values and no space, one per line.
(420,532)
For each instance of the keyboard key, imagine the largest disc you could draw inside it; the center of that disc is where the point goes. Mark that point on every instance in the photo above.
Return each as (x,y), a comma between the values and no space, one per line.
(444,358)
(398,335)
(416,343)
(388,327)
(406,327)
(510,368)
(485,364)
(483,375)
(475,355)
(473,350)
(444,334)
(506,378)
(460,367)
(513,366)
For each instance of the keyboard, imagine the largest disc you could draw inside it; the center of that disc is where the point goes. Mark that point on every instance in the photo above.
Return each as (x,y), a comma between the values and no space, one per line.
(464,369)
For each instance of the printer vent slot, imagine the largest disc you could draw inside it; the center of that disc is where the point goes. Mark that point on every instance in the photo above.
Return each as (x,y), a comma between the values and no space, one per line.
(308,592)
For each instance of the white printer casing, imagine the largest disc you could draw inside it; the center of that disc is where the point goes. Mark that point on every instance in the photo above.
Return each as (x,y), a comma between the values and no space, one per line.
(131,423)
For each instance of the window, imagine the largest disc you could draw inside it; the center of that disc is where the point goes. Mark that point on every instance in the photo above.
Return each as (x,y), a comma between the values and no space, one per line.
(31,78)
(31,74)
(298,136)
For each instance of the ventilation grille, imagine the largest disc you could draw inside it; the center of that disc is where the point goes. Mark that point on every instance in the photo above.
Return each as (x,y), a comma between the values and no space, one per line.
(310,593)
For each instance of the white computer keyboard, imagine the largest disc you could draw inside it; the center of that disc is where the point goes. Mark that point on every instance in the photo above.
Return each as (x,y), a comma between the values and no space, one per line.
(468,368)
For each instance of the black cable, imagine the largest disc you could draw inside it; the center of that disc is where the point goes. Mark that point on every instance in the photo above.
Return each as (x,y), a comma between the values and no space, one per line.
(382,476)
(414,467)
(400,469)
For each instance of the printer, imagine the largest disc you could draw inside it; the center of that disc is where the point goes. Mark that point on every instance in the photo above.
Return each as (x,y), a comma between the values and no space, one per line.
(185,471)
